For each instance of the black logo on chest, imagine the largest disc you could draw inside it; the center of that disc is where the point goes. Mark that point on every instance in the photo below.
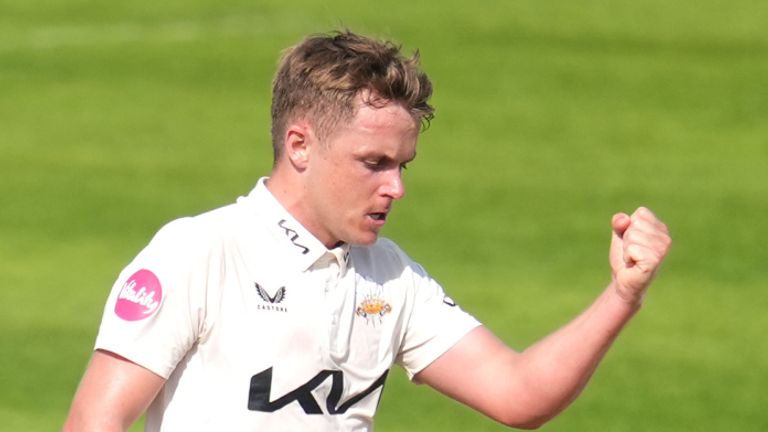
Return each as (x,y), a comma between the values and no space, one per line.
(271,300)
(259,396)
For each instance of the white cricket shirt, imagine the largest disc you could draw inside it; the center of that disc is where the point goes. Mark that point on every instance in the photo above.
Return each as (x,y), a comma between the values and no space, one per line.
(258,326)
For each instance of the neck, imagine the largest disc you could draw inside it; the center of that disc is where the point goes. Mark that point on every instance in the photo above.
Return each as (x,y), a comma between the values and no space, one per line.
(289,191)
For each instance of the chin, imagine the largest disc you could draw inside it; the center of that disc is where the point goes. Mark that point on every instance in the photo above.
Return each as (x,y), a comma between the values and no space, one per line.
(366,239)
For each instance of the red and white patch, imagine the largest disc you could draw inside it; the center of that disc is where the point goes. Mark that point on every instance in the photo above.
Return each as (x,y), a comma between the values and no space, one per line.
(140,296)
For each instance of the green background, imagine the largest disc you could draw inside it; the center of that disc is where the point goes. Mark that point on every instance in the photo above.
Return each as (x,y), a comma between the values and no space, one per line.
(551,116)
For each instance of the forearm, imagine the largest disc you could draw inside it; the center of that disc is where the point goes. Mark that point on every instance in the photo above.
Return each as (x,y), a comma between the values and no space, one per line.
(80,423)
(556,369)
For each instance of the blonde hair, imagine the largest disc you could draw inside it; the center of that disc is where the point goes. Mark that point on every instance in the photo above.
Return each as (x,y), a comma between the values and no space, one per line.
(319,79)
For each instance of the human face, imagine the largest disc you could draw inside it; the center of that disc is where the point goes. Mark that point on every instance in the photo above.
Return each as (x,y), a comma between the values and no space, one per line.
(355,175)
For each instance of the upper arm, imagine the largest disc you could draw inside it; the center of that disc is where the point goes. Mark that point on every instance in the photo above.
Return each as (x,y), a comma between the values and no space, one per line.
(113,393)
(482,372)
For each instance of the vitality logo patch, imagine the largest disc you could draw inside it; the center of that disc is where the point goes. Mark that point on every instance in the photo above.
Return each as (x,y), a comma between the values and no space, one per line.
(140,296)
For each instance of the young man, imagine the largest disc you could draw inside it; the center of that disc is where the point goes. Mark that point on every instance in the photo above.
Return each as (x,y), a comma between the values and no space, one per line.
(285,310)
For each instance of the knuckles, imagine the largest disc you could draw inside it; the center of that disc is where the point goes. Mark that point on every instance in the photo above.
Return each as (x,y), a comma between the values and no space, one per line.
(644,241)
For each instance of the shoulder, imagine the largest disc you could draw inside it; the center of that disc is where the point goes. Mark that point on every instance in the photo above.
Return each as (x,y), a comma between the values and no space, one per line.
(191,235)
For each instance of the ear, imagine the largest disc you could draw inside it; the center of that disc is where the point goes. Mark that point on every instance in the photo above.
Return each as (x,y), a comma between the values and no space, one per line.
(298,143)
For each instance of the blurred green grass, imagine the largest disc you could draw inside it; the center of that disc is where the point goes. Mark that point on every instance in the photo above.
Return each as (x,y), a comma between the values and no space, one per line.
(117,118)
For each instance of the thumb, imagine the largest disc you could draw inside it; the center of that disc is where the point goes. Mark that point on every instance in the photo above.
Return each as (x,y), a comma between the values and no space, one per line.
(620,223)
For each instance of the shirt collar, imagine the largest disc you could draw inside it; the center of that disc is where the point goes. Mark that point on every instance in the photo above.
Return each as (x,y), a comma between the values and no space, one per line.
(300,247)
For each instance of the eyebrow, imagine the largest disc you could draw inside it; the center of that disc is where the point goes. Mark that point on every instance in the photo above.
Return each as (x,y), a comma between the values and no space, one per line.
(383,156)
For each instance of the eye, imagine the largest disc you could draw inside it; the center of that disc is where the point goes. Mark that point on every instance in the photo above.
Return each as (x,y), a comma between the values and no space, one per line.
(383,164)
(376,164)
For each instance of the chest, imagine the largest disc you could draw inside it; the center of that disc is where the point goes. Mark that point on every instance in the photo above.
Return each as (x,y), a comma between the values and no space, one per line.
(302,323)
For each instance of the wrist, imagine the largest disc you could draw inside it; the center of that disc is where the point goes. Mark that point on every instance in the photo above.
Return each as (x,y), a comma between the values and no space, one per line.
(631,298)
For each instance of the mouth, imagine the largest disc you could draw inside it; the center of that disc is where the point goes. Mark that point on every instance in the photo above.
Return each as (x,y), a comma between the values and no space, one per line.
(379,217)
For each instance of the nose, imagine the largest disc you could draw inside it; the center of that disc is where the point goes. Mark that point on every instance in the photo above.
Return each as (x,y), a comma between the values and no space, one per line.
(393,186)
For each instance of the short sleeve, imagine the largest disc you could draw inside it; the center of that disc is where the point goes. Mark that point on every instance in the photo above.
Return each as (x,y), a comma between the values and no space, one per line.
(436,323)
(155,311)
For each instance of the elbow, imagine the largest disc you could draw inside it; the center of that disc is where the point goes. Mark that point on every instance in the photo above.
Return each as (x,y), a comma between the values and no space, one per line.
(534,410)
(529,424)
(529,420)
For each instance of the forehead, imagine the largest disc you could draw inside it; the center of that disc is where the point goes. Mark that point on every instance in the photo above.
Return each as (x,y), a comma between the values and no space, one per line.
(377,128)
(375,116)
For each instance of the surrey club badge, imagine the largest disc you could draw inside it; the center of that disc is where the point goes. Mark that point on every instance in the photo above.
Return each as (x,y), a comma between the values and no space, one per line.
(373,308)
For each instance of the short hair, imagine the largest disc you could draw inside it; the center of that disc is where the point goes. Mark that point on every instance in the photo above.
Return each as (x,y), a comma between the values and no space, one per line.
(320,77)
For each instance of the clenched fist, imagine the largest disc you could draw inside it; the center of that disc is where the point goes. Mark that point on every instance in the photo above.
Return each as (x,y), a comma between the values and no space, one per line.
(639,244)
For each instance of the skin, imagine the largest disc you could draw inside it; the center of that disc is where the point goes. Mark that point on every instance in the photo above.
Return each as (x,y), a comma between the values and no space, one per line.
(113,393)
(337,189)
(527,389)
(342,189)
